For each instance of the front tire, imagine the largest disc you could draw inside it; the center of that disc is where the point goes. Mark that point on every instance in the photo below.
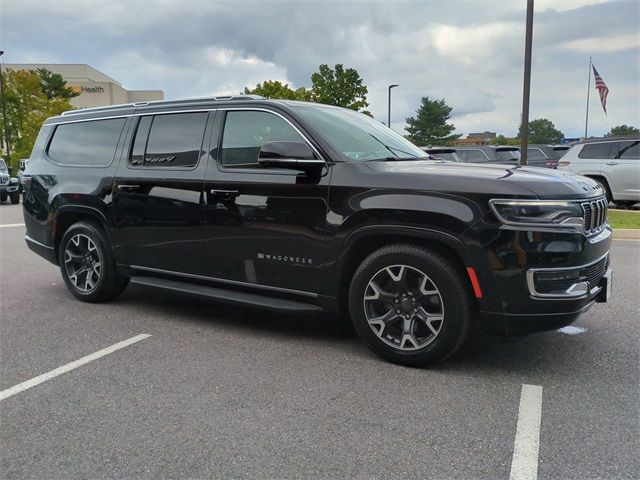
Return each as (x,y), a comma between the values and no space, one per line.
(15,197)
(87,264)
(410,305)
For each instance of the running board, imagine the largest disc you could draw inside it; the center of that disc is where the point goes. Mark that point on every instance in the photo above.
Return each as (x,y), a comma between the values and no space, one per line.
(227,296)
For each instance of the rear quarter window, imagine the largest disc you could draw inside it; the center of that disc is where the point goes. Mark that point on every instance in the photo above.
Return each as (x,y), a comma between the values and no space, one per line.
(92,144)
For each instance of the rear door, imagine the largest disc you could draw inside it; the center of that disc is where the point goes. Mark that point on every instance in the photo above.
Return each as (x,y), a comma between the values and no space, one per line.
(158,192)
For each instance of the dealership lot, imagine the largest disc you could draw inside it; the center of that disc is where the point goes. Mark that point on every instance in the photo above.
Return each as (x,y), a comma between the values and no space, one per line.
(217,391)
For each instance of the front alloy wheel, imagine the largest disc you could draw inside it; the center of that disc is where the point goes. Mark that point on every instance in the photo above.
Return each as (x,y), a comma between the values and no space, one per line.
(403,307)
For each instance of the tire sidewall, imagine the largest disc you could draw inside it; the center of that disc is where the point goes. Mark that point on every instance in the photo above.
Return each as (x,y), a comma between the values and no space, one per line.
(456,306)
(97,237)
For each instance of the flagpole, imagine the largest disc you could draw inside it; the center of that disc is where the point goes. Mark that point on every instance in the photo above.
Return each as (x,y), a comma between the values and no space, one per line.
(586,120)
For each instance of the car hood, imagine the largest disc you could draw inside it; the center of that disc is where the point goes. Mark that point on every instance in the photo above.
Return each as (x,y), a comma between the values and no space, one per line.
(498,179)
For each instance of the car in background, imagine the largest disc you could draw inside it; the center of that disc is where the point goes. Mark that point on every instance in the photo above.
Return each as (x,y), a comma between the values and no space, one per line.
(541,155)
(507,155)
(443,153)
(613,161)
(23,165)
(9,186)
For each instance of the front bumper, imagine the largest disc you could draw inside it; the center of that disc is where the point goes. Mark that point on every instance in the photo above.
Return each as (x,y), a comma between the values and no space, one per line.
(9,188)
(538,281)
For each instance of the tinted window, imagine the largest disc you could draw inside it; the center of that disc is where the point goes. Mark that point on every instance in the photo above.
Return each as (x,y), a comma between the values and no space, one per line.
(174,140)
(473,156)
(629,150)
(245,132)
(507,155)
(558,152)
(140,142)
(535,154)
(597,150)
(86,143)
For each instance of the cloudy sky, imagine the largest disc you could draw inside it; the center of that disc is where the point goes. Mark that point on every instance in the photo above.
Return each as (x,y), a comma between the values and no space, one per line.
(469,52)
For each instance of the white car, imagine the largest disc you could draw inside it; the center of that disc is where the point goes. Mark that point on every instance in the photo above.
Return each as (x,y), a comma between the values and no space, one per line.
(612,161)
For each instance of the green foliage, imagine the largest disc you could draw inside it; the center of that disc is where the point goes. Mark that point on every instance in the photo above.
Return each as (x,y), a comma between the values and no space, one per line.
(429,126)
(542,130)
(622,130)
(53,85)
(27,109)
(502,140)
(278,90)
(340,87)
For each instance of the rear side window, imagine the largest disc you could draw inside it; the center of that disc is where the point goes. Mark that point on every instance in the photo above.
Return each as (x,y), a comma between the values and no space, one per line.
(629,150)
(598,150)
(535,154)
(506,155)
(91,144)
(173,140)
(473,156)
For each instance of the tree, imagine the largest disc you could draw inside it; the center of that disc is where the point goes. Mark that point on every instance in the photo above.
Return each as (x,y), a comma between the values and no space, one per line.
(543,130)
(276,89)
(53,85)
(623,130)
(27,109)
(340,87)
(502,140)
(430,126)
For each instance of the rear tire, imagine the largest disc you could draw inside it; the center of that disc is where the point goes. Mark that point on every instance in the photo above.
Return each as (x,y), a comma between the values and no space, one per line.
(87,264)
(15,198)
(429,292)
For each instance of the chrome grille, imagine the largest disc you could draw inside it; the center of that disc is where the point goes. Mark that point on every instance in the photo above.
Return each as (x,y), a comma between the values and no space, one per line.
(594,215)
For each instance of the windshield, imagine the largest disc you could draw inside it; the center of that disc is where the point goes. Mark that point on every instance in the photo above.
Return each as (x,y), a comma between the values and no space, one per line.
(3,166)
(358,136)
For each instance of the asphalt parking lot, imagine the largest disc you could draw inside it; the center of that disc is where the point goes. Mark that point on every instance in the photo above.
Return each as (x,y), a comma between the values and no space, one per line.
(227,392)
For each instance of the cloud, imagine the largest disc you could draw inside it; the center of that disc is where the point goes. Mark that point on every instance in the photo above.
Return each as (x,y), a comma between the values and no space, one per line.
(470,53)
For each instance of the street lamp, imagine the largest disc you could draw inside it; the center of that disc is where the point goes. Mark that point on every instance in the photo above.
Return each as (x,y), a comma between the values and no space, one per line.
(4,112)
(389,110)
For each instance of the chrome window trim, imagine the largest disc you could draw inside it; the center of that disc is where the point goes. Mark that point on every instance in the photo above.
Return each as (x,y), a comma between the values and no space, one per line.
(549,296)
(259,109)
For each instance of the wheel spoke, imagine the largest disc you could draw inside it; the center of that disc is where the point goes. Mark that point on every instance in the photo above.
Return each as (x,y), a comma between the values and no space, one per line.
(378,293)
(423,287)
(381,322)
(82,263)
(399,279)
(428,319)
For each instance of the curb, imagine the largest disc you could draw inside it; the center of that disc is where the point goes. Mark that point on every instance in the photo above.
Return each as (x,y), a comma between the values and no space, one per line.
(626,233)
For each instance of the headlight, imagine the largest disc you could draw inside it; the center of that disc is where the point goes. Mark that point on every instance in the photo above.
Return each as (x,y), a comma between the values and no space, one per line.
(539,213)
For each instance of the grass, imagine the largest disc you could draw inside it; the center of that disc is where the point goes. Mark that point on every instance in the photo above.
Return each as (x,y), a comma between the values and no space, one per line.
(624,219)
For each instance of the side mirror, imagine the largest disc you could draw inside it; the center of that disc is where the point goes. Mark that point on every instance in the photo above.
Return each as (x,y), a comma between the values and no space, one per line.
(291,155)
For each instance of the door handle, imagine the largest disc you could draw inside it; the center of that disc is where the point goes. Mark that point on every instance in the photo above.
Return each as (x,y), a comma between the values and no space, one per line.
(610,163)
(128,187)
(224,193)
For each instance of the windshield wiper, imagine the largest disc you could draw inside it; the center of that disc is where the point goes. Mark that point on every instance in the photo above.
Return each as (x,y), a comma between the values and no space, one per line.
(399,159)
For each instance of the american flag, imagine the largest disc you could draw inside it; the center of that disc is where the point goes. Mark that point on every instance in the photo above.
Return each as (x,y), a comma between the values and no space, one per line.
(602,89)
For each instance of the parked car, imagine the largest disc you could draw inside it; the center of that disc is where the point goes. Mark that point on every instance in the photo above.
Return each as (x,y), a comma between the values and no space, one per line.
(303,207)
(23,165)
(444,153)
(539,155)
(505,155)
(9,187)
(612,161)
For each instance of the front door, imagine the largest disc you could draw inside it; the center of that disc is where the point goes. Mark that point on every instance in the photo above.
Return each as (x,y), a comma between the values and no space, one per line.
(158,194)
(264,226)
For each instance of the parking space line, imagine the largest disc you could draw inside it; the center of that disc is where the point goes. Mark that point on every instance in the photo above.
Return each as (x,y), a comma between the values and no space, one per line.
(12,225)
(524,465)
(4,394)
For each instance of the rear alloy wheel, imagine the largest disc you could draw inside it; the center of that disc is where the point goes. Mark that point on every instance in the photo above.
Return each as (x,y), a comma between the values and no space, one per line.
(87,264)
(410,305)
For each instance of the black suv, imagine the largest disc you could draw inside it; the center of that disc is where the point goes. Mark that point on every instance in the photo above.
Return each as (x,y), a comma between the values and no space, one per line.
(304,207)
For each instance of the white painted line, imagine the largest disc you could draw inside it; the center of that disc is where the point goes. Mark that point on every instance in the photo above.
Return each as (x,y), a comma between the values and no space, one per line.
(4,394)
(8,225)
(524,465)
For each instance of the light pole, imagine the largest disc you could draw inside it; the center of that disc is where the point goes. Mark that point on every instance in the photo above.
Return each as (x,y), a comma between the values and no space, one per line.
(4,113)
(526,89)
(389,110)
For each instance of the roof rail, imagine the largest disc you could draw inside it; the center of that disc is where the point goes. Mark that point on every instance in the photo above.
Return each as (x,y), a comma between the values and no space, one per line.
(183,101)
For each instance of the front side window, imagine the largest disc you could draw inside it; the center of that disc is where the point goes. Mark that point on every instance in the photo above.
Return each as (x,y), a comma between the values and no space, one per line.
(171,140)
(246,131)
(358,136)
(92,143)
(629,150)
